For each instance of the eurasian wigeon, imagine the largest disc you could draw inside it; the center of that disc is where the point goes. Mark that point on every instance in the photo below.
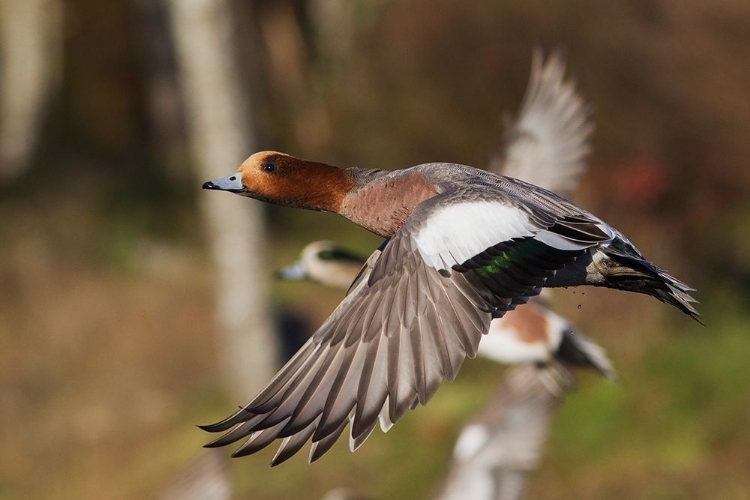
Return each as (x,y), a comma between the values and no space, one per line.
(463,246)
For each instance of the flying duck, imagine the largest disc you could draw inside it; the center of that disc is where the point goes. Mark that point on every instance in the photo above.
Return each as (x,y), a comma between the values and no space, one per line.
(462,247)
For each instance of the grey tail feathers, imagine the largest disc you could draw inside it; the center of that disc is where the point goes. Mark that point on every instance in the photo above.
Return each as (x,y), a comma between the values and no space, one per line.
(624,268)
(578,350)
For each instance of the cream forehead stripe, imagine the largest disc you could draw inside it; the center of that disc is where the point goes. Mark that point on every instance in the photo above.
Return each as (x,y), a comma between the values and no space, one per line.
(456,233)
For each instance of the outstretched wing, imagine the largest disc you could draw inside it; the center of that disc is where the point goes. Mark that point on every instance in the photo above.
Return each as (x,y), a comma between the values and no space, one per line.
(419,307)
(548,144)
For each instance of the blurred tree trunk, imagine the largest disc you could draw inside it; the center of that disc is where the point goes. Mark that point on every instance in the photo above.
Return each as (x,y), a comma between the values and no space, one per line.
(221,137)
(334,27)
(157,58)
(30,55)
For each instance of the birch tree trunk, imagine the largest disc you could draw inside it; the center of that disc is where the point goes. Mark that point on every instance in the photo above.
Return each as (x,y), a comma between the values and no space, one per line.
(221,137)
(30,56)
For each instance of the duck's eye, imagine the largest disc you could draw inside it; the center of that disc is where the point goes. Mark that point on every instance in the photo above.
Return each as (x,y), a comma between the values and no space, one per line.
(268,167)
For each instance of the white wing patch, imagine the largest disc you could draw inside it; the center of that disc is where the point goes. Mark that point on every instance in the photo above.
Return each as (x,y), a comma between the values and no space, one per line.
(556,241)
(456,233)
(556,325)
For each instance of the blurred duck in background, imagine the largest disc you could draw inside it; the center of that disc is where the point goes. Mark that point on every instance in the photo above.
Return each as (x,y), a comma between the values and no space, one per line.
(326,263)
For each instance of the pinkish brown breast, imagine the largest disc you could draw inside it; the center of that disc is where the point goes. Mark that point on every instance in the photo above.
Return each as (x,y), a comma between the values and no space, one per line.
(383,205)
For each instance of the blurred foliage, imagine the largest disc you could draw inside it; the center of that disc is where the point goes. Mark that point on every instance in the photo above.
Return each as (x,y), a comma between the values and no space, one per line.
(106,329)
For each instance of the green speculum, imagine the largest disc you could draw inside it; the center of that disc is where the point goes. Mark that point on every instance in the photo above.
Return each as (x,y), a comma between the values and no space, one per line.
(506,259)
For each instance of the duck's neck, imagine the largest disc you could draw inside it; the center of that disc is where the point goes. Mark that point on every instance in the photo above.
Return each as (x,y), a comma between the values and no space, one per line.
(311,185)
(381,201)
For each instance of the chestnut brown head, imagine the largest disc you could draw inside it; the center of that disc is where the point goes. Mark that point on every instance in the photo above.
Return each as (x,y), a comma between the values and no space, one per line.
(285,180)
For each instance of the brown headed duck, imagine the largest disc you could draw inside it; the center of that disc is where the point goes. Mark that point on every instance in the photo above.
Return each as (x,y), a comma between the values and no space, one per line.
(462,246)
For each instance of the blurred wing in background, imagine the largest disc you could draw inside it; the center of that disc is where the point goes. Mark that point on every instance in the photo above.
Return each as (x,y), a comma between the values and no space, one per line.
(549,141)
(207,478)
(495,452)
